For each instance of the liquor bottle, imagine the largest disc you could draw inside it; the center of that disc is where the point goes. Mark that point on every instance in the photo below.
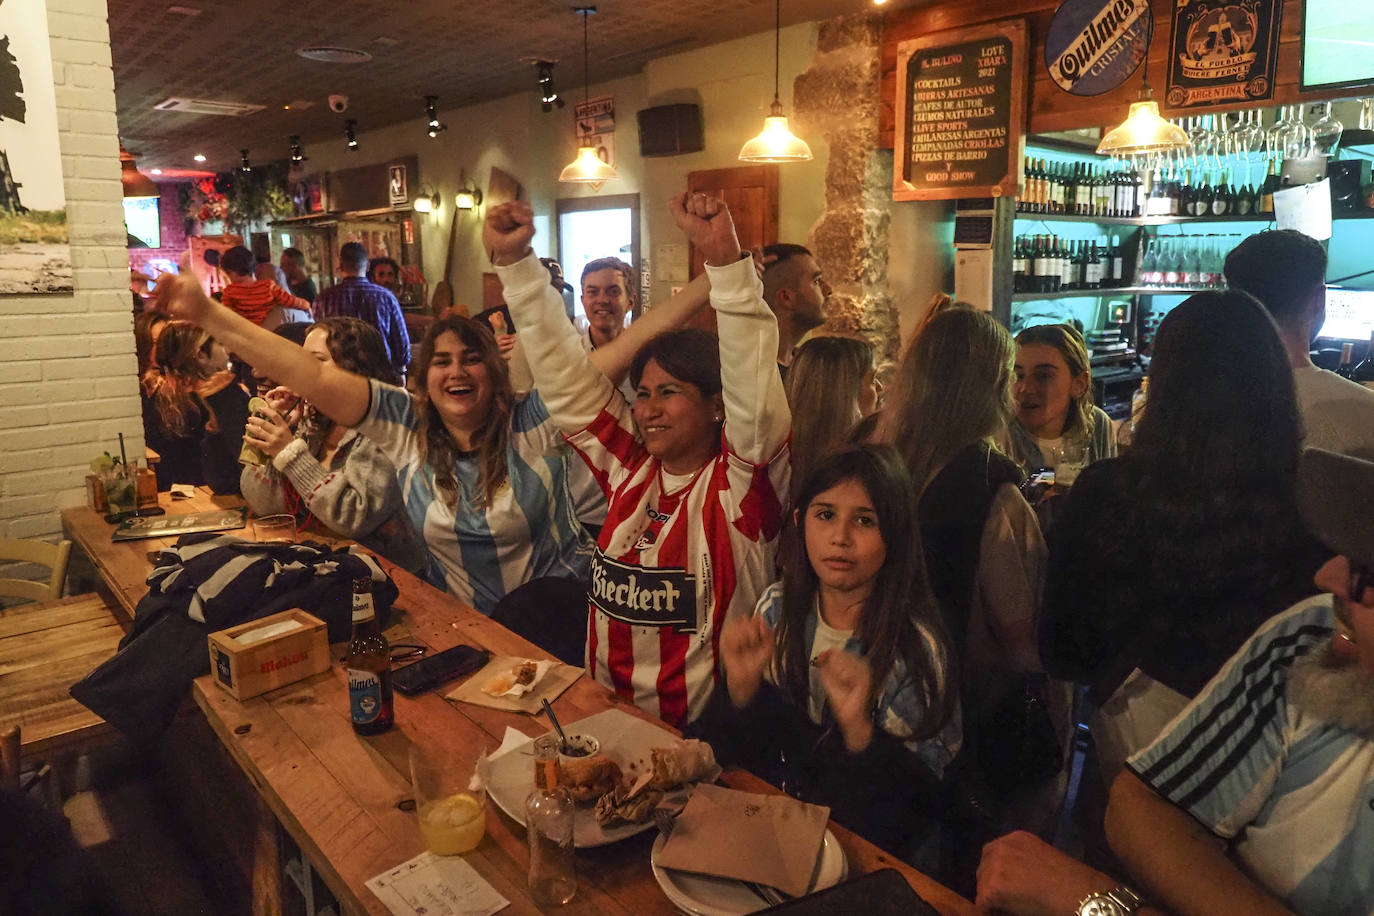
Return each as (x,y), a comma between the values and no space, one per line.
(1114,273)
(1364,372)
(1188,193)
(1137,194)
(1018,265)
(1244,201)
(1345,369)
(1073,179)
(549,827)
(1057,188)
(1271,184)
(369,666)
(1102,193)
(1222,198)
(1092,273)
(1202,202)
(1061,260)
(1039,197)
(1073,275)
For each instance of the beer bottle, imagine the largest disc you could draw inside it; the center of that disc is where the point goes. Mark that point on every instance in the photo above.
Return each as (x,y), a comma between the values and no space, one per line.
(369,666)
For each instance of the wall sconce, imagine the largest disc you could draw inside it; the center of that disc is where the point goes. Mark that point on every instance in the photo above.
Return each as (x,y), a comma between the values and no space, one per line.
(428,201)
(468,197)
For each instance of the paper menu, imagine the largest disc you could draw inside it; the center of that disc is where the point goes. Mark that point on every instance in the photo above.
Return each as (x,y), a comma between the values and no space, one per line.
(430,885)
(1306,208)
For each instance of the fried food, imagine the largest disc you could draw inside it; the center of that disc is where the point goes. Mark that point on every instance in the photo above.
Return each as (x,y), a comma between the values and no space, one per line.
(588,778)
(687,761)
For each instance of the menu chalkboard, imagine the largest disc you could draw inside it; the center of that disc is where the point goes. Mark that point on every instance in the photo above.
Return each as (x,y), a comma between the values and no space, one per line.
(960,109)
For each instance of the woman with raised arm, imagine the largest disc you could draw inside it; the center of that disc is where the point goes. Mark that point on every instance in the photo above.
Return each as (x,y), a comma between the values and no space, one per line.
(696,470)
(488,484)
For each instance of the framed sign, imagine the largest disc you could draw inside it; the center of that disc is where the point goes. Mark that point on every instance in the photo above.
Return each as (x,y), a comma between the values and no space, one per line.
(961,107)
(1223,50)
(1093,46)
(397,189)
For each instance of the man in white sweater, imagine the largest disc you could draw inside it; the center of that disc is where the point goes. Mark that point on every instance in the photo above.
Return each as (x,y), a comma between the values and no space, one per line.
(1286,271)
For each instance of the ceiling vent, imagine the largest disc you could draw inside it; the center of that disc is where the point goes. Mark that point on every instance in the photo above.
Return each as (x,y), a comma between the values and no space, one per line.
(333,55)
(208,107)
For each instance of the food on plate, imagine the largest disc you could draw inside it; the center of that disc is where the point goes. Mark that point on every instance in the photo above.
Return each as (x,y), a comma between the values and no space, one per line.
(521,674)
(588,778)
(622,806)
(687,761)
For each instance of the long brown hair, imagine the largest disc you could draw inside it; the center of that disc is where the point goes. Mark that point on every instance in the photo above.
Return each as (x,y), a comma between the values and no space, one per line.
(436,444)
(178,399)
(823,385)
(900,603)
(952,389)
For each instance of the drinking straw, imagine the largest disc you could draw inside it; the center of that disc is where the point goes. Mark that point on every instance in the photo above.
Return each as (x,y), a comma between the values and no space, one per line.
(123,458)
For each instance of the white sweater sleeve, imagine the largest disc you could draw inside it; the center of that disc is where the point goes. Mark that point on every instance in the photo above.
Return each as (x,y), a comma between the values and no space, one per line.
(571,387)
(757,419)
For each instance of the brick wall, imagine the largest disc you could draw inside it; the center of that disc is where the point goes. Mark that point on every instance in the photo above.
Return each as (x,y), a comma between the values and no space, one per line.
(67,366)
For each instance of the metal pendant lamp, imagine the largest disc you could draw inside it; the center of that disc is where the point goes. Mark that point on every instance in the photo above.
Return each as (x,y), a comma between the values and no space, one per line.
(136,184)
(588,167)
(1144,132)
(776,142)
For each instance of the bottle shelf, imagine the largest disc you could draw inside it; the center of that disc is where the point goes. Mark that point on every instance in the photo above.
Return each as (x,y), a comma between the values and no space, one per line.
(1171,220)
(1106,292)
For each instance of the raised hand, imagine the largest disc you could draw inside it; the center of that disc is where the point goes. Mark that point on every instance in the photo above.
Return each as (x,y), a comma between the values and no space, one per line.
(848,683)
(181,296)
(746,648)
(707,224)
(507,232)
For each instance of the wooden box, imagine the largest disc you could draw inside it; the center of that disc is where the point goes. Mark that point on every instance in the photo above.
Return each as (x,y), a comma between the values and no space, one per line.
(267,653)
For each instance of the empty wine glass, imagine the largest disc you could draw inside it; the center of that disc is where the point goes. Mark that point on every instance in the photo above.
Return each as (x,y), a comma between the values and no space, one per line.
(1294,139)
(1271,136)
(1326,133)
(1367,114)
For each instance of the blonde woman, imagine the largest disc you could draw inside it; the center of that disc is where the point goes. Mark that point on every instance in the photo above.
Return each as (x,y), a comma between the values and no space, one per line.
(1054,402)
(833,383)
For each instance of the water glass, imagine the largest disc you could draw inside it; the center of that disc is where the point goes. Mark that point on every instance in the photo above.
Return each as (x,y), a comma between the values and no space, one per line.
(121,488)
(1069,459)
(275,529)
(450,799)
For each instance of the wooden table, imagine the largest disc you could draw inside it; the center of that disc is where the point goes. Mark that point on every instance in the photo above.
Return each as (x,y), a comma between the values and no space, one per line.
(45,648)
(344,799)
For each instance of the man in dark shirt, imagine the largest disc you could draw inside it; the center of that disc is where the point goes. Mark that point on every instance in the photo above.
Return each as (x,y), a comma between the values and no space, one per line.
(355,296)
(293,265)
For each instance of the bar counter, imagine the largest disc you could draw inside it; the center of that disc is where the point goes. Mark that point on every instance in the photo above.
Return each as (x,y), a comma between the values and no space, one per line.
(344,799)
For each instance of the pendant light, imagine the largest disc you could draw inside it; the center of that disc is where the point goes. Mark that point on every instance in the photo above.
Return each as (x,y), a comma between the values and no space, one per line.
(1143,132)
(588,167)
(775,143)
(136,184)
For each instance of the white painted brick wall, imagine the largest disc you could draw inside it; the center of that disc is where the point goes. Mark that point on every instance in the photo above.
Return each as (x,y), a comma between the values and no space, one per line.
(67,365)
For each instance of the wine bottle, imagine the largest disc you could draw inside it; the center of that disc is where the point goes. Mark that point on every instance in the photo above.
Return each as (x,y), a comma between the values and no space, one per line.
(1115,273)
(1221,200)
(1018,265)
(1092,270)
(1271,184)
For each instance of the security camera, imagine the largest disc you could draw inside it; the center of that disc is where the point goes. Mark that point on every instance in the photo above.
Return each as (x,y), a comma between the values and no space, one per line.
(338,103)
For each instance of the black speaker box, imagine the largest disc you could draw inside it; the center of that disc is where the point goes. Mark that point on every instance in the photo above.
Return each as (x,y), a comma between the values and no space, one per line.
(1348,178)
(667,130)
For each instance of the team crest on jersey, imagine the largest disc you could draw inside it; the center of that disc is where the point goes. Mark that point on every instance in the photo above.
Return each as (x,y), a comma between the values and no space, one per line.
(646,596)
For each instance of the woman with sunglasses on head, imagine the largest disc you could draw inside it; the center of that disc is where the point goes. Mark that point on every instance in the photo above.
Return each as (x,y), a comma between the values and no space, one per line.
(696,470)
(325,473)
(488,484)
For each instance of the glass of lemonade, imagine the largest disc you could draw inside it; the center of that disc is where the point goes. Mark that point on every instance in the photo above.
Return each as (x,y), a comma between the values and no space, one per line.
(450,799)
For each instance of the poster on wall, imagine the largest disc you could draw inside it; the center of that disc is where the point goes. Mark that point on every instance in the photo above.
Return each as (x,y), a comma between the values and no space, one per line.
(397,190)
(1093,46)
(961,110)
(35,256)
(1223,50)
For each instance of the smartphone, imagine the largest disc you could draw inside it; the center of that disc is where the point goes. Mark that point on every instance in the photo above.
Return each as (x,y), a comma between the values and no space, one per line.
(445,666)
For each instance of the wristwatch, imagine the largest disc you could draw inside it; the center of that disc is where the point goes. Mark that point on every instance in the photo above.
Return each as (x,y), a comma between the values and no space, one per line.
(1120,902)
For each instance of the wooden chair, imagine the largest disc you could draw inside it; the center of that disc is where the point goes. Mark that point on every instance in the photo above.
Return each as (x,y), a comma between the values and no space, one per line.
(55,556)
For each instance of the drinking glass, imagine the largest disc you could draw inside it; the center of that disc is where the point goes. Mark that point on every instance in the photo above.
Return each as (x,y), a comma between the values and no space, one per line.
(275,529)
(1326,133)
(1293,138)
(450,798)
(121,488)
(1367,114)
(1069,459)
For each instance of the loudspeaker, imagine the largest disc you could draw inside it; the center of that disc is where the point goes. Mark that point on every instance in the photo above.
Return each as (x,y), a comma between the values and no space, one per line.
(667,130)
(1348,178)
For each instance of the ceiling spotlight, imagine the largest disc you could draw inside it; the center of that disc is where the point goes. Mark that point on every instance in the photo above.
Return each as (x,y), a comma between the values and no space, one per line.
(297,154)
(548,96)
(199,157)
(432,112)
(244,164)
(351,133)
(155,171)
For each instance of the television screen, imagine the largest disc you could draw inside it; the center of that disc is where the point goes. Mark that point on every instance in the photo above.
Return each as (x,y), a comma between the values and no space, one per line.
(1337,43)
(1349,314)
(141,220)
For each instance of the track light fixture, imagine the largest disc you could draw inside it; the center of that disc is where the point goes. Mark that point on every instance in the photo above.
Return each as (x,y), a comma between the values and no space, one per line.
(297,154)
(432,112)
(350,131)
(244,164)
(548,96)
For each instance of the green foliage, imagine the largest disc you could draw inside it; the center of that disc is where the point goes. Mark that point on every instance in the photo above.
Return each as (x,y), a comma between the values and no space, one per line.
(258,196)
(42,226)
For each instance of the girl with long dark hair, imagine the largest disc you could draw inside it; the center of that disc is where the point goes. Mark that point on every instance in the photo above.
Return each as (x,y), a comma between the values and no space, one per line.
(840,685)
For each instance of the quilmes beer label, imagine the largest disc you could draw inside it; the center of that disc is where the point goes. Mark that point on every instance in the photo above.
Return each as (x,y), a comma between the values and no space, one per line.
(364,696)
(1093,45)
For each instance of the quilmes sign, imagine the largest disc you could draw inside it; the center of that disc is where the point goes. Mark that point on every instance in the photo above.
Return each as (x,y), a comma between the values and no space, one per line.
(1093,45)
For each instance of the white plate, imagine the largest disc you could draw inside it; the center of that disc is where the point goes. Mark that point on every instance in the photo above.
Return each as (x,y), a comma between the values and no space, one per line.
(703,895)
(624,738)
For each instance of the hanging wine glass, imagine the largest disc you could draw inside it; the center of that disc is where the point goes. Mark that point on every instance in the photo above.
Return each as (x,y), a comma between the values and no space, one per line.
(1271,136)
(1293,139)
(1326,133)
(1367,114)
(1235,137)
(1196,132)
(1254,141)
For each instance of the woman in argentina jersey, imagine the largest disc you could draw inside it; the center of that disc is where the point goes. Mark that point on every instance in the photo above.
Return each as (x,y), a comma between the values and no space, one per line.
(696,470)
(486,480)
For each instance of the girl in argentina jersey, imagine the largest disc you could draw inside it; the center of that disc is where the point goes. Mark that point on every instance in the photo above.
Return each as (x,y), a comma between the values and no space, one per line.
(696,470)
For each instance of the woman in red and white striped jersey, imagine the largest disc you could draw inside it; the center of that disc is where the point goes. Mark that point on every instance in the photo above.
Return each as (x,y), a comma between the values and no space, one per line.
(696,470)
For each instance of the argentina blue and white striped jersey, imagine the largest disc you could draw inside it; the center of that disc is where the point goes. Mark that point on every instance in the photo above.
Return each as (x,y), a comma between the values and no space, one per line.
(1294,793)
(530,530)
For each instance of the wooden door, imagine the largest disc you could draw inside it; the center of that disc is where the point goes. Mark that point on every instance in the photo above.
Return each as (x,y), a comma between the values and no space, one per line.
(751,193)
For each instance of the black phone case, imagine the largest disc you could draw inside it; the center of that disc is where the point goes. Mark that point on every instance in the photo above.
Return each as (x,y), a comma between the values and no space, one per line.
(879,893)
(447,665)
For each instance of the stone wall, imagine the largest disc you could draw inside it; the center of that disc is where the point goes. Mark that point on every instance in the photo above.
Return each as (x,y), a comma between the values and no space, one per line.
(838,97)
